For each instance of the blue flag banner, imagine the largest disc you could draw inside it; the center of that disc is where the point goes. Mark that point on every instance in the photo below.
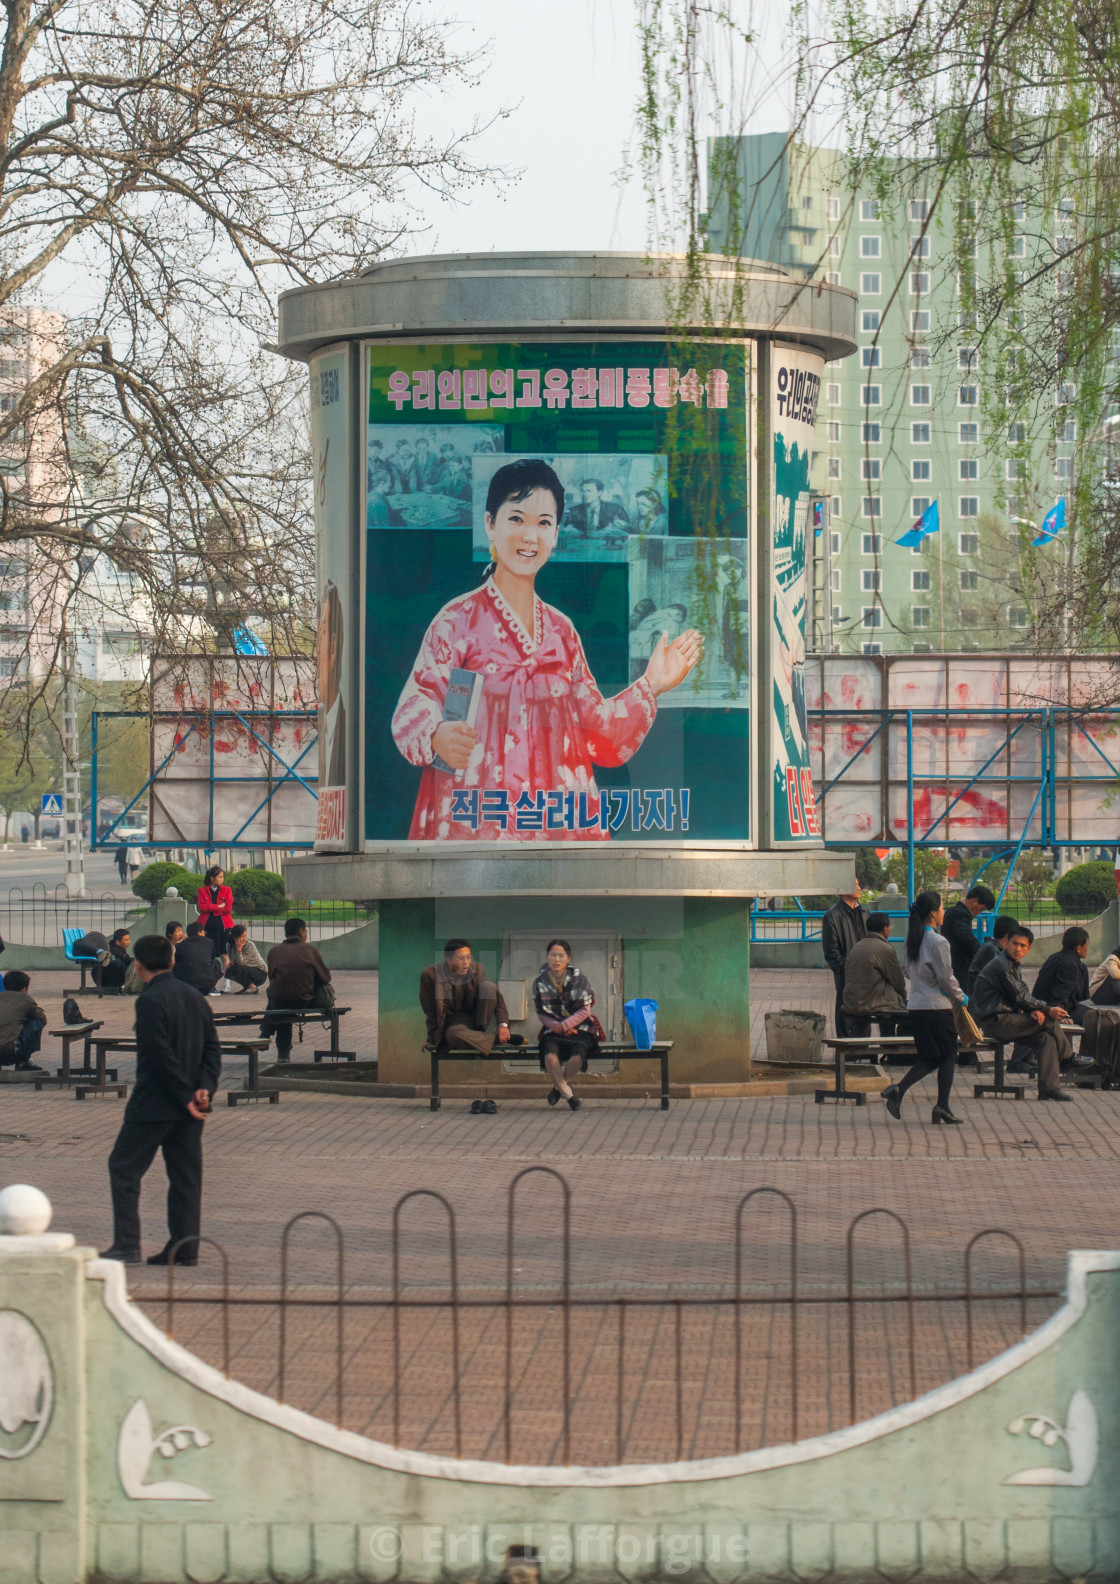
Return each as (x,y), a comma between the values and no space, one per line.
(928,523)
(246,642)
(1052,524)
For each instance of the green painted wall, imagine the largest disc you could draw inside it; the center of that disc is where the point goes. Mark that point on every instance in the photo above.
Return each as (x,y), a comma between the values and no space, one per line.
(688,954)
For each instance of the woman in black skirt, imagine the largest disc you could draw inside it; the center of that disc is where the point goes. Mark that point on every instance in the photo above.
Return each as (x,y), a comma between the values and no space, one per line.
(564,998)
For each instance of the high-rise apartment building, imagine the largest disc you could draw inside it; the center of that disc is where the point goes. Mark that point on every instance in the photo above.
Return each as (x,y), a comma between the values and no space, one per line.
(902,423)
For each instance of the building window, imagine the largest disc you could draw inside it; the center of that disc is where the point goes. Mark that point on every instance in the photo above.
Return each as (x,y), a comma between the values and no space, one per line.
(920,358)
(119,643)
(869,208)
(919,283)
(834,247)
(834,467)
(872,544)
(1016,506)
(870,320)
(871,580)
(872,506)
(968,433)
(834,395)
(871,433)
(970,580)
(968,469)
(872,395)
(1067,392)
(1067,431)
(967,358)
(832,208)
(1063,468)
(918,505)
(919,208)
(1018,247)
(835,582)
(836,512)
(920,471)
(871,357)
(872,648)
(835,537)
(872,616)
(833,277)
(870,247)
(968,395)
(919,582)
(919,615)
(968,506)
(919,434)
(833,431)
(1016,616)
(919,321)
(968,543)
(1015,466)
(919,247)
(1018,211)
(870,468)
(919,396)
(870,285)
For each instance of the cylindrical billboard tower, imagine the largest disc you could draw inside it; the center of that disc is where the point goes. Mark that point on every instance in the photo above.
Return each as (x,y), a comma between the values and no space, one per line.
(561,507)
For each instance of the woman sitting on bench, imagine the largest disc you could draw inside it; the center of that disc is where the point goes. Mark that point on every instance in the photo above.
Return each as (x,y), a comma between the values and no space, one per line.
(569,1034)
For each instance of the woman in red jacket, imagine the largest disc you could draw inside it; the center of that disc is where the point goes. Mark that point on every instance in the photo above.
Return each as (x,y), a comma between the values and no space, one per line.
(215,909)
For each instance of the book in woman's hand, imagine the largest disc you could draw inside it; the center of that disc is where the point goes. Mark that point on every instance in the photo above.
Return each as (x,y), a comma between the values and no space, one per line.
(464,694)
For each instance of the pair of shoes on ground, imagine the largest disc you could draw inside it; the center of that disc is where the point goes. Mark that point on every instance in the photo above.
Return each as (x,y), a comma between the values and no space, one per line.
(555,1097)
(483,1108)
(134,1256)
(27,1066)
(1055,1094)
(892,1099)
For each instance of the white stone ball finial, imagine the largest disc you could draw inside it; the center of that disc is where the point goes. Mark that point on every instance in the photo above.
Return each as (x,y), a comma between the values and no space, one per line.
(24,1211)
(172,892)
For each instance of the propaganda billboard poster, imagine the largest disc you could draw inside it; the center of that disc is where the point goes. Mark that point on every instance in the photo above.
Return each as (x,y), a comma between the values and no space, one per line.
(557,593)
(333,638)
(795,384)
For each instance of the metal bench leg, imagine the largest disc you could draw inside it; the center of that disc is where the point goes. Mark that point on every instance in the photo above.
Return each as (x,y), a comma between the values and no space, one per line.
(665,1080)
(434,1102)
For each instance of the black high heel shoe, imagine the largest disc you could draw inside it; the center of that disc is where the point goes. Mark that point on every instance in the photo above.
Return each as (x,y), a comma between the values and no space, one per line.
(892,1099)
(943,1114)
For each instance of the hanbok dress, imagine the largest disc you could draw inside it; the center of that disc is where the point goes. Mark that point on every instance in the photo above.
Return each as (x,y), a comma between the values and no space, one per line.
(542,726)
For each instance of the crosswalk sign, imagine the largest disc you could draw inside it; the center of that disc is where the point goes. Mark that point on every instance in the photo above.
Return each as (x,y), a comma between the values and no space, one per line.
(52,803)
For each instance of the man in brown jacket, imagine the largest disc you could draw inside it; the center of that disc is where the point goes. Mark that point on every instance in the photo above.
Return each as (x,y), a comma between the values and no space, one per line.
(22,1021)
(295,972)
(460,1003)
(874,986)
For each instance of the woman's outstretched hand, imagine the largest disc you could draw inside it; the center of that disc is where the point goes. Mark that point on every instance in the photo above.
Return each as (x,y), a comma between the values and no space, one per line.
(670,663)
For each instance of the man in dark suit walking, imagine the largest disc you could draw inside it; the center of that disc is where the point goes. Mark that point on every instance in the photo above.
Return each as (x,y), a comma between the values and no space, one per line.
(178,1060)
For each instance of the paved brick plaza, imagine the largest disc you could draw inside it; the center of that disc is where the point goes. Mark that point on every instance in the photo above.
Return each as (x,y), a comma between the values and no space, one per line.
(653,1203)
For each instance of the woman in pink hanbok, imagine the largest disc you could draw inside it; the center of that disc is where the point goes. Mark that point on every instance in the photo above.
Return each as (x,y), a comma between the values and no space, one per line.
(520,766)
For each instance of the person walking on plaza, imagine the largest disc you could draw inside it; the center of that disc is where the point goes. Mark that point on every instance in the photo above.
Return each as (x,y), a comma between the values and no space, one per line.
(178,1063)
(460,1001)
(134,862)
(296,973)
(22,1021)
(874,984)
(934,992)
(563,998)
(957,929)
(1006,1011)
(841,927)
(120,858)
(246,966)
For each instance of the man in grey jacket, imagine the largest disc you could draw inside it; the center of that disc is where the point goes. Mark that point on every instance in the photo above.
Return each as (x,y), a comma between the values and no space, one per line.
(1006,1011)
(874,986)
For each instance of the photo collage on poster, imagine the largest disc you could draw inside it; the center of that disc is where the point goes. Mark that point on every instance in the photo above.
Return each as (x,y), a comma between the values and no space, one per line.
(557,594)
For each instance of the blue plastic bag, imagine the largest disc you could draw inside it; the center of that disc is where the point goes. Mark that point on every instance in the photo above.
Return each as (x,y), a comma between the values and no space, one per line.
(642,1018)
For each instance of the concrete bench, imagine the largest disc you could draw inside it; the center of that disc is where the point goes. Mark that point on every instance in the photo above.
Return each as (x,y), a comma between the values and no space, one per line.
(610,1050)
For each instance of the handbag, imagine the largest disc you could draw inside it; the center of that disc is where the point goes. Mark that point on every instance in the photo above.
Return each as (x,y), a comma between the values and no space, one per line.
(969,1031)
(324,994)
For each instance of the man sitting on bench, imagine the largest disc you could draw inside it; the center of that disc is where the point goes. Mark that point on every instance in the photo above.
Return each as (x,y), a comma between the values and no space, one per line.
(1005,1011)
(460,1002)
(874,987)
(22,1021)
(296,973)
